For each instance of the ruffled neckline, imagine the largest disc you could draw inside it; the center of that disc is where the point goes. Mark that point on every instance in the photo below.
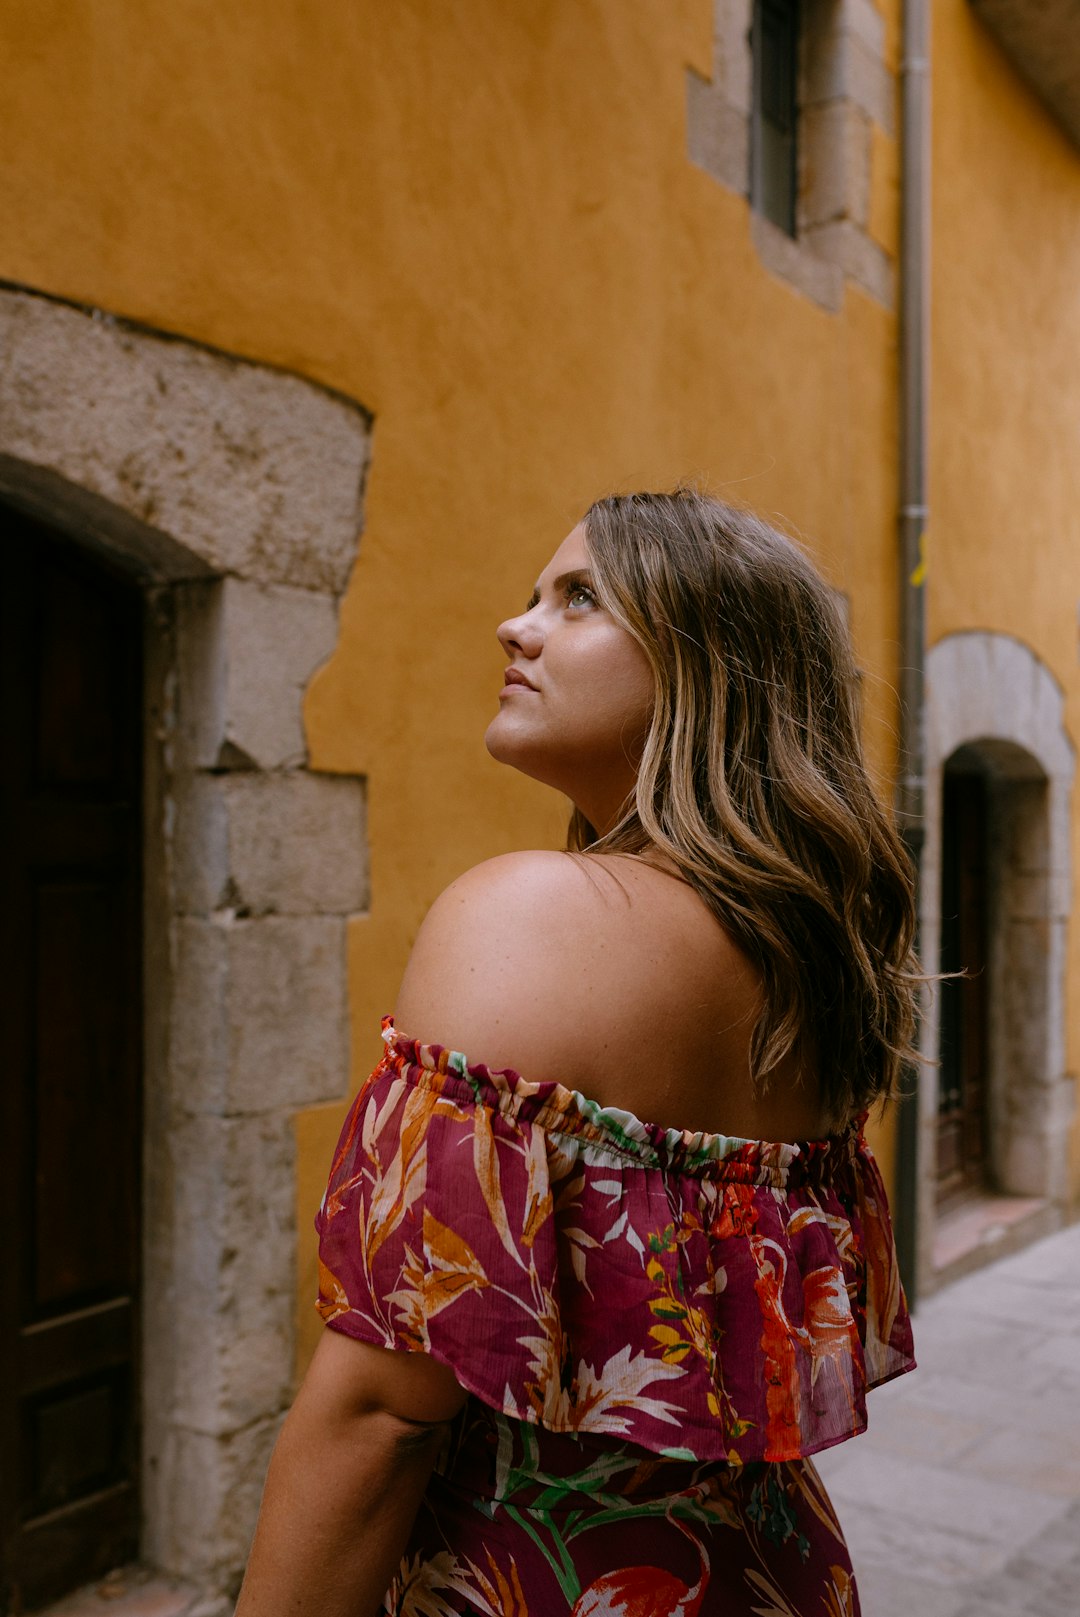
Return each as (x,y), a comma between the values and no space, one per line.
(562,1110)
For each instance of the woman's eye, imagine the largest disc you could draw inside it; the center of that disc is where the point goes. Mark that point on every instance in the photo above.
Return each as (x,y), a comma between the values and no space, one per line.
(578,594)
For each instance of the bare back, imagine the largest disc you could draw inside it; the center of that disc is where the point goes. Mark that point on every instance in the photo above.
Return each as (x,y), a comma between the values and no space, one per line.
(612,977)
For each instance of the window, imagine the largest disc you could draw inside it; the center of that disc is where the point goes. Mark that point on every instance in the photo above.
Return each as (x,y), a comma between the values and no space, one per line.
(774,130)
(787,119)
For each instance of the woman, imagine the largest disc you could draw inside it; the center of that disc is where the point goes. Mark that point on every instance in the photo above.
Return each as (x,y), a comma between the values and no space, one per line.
(617,1341)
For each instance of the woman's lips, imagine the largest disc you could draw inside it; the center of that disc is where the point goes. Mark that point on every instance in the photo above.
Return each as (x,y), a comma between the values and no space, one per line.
(516,682)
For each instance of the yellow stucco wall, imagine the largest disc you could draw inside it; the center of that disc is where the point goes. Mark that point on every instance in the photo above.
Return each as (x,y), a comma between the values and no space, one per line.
(480,221)
(1004,466)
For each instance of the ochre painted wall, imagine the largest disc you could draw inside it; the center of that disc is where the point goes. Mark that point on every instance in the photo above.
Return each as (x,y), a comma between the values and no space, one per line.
(1005,464)
(480,221)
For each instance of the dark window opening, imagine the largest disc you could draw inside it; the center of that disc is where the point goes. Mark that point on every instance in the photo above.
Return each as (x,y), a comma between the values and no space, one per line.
(774,132)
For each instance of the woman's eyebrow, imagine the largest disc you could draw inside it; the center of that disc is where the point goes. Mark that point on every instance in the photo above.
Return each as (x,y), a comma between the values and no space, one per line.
(576,575)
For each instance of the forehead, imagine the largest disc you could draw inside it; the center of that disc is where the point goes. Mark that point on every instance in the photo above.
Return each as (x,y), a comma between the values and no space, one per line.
(571,556)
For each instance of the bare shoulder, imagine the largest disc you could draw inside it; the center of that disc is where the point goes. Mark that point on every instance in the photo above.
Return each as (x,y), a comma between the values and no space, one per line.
(490,961)
(557,965)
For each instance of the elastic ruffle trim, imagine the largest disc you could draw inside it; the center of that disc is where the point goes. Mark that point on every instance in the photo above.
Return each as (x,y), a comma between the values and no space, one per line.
(559,1110)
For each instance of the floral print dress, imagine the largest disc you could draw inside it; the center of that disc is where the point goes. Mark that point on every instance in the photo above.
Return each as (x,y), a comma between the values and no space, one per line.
(656,1329)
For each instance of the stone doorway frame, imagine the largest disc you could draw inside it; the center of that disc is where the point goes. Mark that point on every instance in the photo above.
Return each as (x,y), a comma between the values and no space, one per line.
(234,493)
(991,699)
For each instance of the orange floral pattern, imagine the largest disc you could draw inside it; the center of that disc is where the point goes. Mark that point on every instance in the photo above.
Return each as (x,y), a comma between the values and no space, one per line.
(690,1314)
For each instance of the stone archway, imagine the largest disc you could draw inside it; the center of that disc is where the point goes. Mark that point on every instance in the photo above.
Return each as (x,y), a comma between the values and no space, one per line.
(993,703)
(234,493)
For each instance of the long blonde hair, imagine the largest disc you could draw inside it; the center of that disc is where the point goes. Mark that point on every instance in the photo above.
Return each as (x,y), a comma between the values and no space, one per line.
(752,781)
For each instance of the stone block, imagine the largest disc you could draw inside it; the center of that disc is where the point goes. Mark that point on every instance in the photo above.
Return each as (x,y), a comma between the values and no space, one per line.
(1025,1163)
(245,654)
(200,843)
(253,471)
(187,1334)
(258,1292)
(843,243)
(1060,827)
(794,263)
(835,179)
(259,1014)
(734,61)
(1028,897)
(288,1012)
(289,843)
(1024,988)
(839,65)
(230,1336)
(1026,832)
(1007,697)
(961,683)
(215,1485)
(864,20)
(717,134)
(199,1015)
(1048,726)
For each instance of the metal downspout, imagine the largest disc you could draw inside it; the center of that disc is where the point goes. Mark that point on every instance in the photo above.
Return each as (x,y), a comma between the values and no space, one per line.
(913,515)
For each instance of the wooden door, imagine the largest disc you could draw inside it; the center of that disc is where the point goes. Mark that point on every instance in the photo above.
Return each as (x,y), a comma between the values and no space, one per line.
(962,1168)
(70,1059)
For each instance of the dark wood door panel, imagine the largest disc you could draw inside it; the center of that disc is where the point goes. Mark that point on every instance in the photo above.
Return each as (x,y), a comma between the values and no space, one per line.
(83,1112)
(63,836)
(962,1165)
(63,1348)
(70,1047)
(75,1543)
(79,738)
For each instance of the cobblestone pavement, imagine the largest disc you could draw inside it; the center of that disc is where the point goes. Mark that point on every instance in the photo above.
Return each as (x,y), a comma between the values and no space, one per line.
(963,1498)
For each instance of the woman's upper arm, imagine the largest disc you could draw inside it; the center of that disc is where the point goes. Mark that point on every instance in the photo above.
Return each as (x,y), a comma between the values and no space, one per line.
(347,1378)
(487,967)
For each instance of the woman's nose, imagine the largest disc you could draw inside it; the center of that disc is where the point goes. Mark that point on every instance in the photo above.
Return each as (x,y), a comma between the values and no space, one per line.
(521,634)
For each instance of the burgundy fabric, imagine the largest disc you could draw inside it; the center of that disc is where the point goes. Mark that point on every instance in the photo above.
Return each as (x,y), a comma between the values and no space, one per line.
(712,1308)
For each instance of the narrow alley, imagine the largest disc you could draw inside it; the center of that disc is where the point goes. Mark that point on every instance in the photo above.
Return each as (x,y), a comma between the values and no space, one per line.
(963,1498)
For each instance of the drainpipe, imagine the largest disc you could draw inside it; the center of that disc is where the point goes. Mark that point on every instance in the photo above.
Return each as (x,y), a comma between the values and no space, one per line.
(913,514)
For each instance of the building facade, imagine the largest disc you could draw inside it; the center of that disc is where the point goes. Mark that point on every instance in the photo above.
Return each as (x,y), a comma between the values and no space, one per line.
(319,327)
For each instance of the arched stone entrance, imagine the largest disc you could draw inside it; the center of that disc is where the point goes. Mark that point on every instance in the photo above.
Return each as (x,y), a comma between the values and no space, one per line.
(996,714)
(233,493)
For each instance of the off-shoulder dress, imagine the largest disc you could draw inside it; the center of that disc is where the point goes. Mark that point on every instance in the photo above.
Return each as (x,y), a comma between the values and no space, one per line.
(656,1329)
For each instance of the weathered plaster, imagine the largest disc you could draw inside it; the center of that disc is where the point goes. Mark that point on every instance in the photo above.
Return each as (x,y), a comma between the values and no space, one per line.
(233,492)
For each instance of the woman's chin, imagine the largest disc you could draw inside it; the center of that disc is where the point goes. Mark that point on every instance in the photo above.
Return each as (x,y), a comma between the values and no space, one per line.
(516,750)
(503,745)
(493,740)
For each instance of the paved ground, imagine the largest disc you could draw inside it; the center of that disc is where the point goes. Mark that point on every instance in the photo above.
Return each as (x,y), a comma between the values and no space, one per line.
(134,1592)
(963,1498)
